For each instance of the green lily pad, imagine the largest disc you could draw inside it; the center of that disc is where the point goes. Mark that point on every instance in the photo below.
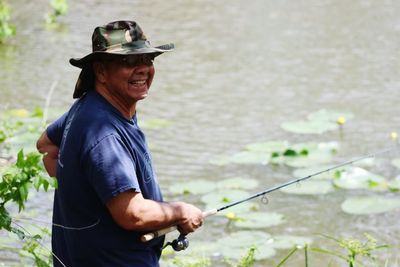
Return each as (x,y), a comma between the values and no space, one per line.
(329,115)
(243,157)
(221,198)
(238,210)
(254,220)
(268,147)
(155,124)
(250,157)
(312,159)
(318,154)
(220,160)
(232,246)
(359,178)
(370,205)
(304,172)
(289,241)
(318,122)
(309,127)
(235,245)
(309,187)
(307,154)
(326,147)
(237,183)
(193,187)
(396,162)
(394,185)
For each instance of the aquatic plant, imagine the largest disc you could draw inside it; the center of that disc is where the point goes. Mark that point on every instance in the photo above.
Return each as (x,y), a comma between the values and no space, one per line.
(318,122)
(246,260)
(19,176)
(6,29)
(355,248)
(60,8)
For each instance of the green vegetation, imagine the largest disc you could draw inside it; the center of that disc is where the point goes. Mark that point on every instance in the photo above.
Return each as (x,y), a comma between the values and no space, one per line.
(355,248)
(60,8)
(18,177)
(6,29)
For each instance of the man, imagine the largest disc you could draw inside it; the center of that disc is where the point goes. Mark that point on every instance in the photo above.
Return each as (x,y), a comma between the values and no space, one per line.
(108,194)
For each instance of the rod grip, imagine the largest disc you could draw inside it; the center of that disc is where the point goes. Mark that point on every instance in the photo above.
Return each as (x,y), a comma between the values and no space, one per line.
(149,236)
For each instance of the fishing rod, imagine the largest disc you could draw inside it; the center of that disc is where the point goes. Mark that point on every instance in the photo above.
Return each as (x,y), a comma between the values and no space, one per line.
(181,243)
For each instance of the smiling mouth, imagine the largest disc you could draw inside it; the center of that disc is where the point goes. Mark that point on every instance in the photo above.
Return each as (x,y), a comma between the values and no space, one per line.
(138,83)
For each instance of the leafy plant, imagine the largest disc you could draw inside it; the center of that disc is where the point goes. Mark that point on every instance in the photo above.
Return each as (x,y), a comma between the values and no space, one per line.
(247,260)
(6,29)
(185,262)
(14,187)
(19,177)
(60,8)
(354,248)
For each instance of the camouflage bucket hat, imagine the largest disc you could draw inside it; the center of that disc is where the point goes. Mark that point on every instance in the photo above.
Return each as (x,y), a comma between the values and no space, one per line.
(115,38)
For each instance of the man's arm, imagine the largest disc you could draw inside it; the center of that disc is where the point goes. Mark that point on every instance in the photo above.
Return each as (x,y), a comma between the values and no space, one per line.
(50,151)
(133,212)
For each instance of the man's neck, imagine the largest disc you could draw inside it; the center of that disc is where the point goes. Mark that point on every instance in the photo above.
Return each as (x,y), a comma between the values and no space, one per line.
(127,110)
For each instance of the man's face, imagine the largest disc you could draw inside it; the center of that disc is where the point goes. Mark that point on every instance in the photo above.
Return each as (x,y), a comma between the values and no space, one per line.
(129,78)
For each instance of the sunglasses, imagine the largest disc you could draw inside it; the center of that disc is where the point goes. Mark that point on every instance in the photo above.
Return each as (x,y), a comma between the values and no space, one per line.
(136,60)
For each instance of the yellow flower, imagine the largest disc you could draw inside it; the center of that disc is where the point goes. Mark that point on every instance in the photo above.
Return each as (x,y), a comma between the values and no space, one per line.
(19,113)
(231,216)
(341,120)
(393,136)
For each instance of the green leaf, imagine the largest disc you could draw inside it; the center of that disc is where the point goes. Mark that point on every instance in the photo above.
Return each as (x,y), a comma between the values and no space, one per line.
(309,187)
(193,187)
(290,153)
(268,147)
(254,220)
(21,235)
(289,241)
(23,191)
(237,183)
(370,205)
(5,219)
(304,172)
(20,159)
(359,178)
(396,162)
(250,157)
(219,198)
(329,115)
(309,127)
(234,245)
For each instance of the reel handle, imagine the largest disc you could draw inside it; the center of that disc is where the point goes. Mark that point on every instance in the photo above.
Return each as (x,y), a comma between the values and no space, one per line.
(149,236)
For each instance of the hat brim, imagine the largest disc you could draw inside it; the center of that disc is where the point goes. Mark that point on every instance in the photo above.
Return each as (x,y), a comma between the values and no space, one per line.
(84,61)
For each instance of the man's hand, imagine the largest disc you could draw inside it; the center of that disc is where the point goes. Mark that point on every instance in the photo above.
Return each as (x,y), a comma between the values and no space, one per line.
(50,151)
(192,218)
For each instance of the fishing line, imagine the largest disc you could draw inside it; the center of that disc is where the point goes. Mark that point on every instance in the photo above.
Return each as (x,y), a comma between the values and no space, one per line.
(59,225)
(149,236)
(40,244)
(178,245)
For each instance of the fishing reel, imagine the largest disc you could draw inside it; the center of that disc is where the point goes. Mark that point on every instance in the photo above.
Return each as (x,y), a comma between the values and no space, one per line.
(179,244)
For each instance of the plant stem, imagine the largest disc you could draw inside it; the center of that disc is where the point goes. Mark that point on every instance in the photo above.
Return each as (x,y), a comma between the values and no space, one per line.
(287,257)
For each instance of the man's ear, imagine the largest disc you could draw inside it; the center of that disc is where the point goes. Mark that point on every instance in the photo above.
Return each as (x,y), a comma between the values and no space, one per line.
(99,71)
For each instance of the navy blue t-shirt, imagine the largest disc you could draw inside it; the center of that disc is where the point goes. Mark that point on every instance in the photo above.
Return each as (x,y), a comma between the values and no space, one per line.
(101,155)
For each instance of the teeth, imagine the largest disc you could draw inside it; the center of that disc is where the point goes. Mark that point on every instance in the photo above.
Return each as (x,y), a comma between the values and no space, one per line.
(138,82)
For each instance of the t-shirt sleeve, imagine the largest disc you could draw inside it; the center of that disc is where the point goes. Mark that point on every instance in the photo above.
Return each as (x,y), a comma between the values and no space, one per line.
(111,168)
(56,129)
